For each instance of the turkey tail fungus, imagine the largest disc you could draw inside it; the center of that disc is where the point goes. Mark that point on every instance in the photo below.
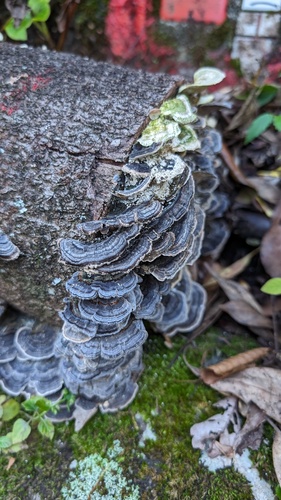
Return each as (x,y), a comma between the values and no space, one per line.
(107,176)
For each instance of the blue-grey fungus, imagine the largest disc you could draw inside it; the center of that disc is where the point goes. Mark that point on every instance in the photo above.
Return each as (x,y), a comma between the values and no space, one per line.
(15,375)
(7,347)
(140,213)
(100,252)
(88,287)
(36,344)
(47,378)
(137,169)
(135,189)
(139,151)
(107,311)
(8,251)
(130,267)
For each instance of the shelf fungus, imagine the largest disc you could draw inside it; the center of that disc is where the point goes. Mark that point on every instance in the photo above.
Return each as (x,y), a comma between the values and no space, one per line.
(105,271)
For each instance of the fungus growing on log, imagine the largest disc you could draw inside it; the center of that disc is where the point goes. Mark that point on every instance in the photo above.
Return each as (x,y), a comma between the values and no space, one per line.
(114,210)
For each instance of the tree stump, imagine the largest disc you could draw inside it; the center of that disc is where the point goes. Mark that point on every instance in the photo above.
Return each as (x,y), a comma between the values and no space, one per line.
(67,127)
(105,187)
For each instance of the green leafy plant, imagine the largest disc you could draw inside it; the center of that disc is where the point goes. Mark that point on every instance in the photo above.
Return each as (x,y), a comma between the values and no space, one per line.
(261,124)
(31,413)
(272,286)
(38,13)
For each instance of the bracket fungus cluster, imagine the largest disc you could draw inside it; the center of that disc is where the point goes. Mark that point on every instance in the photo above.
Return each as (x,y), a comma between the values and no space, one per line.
(127,267)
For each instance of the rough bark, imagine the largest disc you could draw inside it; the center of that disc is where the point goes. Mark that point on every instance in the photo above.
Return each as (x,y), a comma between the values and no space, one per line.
(67,127)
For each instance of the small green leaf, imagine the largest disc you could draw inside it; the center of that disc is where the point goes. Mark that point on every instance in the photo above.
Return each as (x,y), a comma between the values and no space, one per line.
(10,409)
(272,286)
(46,428)
(203,77)
(18,33)
(258,126)
(21,431)
(37,403)
(277,122)
(40,9)
(5,442)
(267,94)
(2,399)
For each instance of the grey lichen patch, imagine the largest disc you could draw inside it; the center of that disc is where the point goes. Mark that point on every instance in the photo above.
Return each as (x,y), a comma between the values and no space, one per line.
(97,477)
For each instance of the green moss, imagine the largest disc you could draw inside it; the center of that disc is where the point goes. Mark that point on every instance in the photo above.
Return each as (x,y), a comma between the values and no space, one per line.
(171,399)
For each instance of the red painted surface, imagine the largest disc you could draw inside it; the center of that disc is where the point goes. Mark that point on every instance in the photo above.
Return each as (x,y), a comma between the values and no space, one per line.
(206,11)
(127,30)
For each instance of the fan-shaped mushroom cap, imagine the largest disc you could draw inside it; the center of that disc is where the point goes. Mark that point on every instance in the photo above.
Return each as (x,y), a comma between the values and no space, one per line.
(128,260)
(137,169)
(15,376)
(216,235)
(140,213)
(102,385)
(91,287)
(7,347)
(210,141)
(152,297)
(139,151)
(123,395)
(108,311)
(219,205)
(175,310)
(8,251)
(46,377)
(36,345)
(100,252)
(183,230)
(115,346)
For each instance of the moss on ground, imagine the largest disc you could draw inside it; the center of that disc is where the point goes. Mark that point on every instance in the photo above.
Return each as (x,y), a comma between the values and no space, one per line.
(171,399)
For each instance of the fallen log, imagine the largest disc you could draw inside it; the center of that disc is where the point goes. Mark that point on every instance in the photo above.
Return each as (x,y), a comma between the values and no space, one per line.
(67,127)
(105,187)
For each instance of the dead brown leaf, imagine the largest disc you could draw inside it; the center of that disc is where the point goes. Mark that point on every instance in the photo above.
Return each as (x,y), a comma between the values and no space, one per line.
(233,270)
(250,436)
(276,454)
(234,291)
(10,462)
(258,385)
(206,435)
(232,365)
(271,246)
(264,189)
(245,314)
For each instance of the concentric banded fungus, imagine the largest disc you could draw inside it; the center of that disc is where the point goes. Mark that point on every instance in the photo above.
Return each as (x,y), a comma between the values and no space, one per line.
(8,251)
(133,219)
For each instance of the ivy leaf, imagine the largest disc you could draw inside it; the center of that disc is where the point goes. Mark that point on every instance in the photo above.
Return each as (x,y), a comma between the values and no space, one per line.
(40,9)
(18,33)
(267,94)
(272,286)
(258,126)
(21,431)
(10,409)
(46,428)
(5,442)
(277,122)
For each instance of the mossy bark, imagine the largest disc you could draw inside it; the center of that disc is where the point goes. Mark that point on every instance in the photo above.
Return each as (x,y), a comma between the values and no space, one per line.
(67,127)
